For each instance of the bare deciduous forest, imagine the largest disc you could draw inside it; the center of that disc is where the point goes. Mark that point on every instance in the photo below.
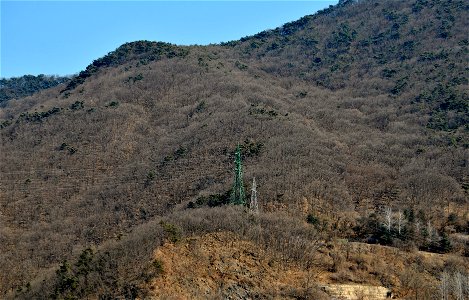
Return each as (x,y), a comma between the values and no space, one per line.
(354,122)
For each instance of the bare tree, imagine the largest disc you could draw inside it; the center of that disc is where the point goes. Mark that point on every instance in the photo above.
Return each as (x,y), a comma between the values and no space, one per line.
(430,231)
(417,228)
(253,205)
(458,285)
(466,285)
(400,221)
(445,285)
(388,218)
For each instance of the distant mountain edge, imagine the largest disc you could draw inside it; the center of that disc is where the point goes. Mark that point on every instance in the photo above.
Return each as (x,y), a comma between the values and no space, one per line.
(18,87)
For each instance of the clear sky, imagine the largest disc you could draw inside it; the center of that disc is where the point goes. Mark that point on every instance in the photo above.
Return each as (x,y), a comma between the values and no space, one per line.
(63,37)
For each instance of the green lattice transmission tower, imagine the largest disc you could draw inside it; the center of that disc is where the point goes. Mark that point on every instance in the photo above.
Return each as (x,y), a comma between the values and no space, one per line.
(237,194)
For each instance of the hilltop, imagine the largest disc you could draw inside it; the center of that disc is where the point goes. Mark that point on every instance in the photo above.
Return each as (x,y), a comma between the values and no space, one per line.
(354,122)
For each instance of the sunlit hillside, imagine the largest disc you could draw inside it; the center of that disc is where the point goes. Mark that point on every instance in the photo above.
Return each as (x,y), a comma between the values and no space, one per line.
(353,121)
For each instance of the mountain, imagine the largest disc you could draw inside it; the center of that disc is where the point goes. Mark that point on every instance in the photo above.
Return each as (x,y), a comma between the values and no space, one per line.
(19,87)
(353,122)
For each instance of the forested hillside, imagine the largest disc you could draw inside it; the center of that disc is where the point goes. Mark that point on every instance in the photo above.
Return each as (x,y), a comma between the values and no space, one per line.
(353,121)
(18,87)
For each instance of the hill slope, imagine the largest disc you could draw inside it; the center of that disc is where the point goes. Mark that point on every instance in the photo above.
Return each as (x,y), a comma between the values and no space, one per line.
(359,107)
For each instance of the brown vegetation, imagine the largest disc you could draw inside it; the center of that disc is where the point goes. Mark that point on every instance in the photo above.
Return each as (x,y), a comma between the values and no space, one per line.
(343,115)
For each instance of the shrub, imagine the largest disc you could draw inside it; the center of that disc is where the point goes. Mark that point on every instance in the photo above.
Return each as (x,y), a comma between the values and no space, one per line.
(388,73)
(400,85)
(67,282)
(158,266)
(311,219)
(177,154)
(251,148)
(113,104)
(38,116)
(173,233)
(149,178)
(444,244)
(71,150)
(240,65)
(212,200)
(135,79)
(5,123)
(77,105)
(153,270)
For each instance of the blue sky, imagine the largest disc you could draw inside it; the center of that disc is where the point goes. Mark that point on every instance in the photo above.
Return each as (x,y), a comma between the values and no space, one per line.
(63,37)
